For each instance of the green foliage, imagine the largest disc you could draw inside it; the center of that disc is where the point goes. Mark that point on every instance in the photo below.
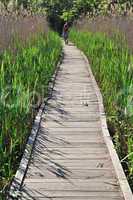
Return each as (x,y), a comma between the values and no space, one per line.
(112,66)
(24,79)
(68,10)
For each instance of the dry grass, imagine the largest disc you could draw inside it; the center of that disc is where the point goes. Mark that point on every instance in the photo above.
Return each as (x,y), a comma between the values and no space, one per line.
(23,28)
(109,25)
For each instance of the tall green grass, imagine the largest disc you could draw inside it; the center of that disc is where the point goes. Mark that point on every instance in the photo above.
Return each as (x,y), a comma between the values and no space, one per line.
(112,65)
(24,77)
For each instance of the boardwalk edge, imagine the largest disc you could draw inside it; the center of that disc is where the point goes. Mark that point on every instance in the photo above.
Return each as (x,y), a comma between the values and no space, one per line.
(17,182)
(125,188)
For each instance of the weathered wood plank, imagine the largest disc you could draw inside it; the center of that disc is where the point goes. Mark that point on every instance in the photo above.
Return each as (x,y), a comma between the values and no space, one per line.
(91,174)
(55,125)
(76,164)
(91,149)
(71,129)
(73,185)
(103,194)
(73,198)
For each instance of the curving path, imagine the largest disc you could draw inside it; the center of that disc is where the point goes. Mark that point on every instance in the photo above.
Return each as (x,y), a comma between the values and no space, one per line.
(71,159)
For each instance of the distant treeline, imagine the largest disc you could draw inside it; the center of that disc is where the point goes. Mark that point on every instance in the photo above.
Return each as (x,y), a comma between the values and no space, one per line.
(59,11)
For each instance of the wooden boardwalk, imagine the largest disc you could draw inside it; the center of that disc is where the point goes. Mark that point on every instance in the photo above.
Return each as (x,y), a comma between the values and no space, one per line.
(71,160)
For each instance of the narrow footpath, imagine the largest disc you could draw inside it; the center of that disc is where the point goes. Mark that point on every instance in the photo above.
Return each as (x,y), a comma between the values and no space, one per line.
(71,159)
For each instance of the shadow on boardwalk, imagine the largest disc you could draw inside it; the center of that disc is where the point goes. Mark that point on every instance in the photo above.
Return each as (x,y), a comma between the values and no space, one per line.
(46,158)
(70,159)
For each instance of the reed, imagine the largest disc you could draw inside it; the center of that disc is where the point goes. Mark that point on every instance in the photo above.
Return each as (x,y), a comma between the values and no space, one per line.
(112,65)
(24,78)
(108,25)
(20,26)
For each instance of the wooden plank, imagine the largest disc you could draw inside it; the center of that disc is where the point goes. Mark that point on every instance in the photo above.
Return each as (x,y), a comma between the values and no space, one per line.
(48,144)
(91,174)
(70,144)
(76,164)
(60,118)
(89,149)
(58,139)
(74,133)
(88,194)
(51,124)
(73,185)
(72,103)
(71,129)
(72,116)
(76,137)
(72,156)
(81,106)
(27,197)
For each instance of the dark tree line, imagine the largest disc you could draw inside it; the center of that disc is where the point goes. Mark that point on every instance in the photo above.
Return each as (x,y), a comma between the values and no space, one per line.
(59,11)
